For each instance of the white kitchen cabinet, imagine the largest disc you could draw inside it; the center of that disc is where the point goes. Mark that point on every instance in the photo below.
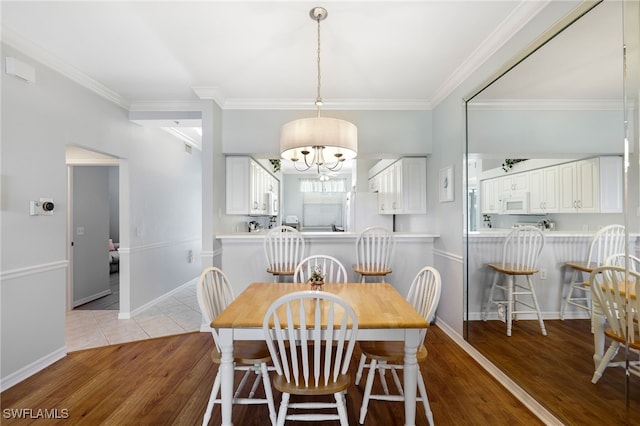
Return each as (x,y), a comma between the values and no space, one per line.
(385,197)
(490,190)
(543,187)
(374,183)
(518,182)
(593,185)
(247,185)
(402,187)
(579,186)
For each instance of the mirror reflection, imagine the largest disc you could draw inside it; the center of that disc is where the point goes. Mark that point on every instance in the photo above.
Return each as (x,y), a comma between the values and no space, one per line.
(545,155)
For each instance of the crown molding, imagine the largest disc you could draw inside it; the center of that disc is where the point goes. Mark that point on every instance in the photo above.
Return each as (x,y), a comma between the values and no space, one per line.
(334,104)
(546,104)
(160,106)
(521,15)
(10,38)
(210,92)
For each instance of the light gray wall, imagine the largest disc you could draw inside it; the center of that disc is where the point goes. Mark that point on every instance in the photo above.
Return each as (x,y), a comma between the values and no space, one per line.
(529,133)
(90,246)
(449,129)
(379,132)
(161,190)
(114,204)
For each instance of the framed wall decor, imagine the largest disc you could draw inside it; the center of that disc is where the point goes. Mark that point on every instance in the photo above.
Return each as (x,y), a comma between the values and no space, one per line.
(445,183)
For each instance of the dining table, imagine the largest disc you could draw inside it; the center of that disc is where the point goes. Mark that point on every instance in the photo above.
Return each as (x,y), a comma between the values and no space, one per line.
(382,312)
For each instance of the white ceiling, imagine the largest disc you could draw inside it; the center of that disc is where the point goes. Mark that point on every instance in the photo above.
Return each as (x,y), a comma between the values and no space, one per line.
(375,54)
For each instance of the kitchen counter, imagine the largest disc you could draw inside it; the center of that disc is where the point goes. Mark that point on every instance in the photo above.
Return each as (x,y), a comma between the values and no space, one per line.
(399,236)
(244,261)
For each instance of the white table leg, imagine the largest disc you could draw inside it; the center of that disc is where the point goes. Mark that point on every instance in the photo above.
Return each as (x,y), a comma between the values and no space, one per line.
(598,323)
(410,373)
(226,374)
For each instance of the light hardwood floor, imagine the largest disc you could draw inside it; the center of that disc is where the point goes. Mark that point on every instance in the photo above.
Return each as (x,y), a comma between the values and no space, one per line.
(166,381)
(557,370)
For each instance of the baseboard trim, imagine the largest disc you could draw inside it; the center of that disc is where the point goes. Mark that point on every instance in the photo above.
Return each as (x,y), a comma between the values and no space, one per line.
(91,298)
(129,315)
(31,369)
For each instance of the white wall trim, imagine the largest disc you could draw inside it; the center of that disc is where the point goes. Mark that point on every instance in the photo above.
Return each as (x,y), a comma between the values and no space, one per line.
(546,105)
(129,315)
(448,255)
(91,298)
(36,52)
(160,244)
(521,15)
(536,408)
(31,369)
(33,270)
(211,254)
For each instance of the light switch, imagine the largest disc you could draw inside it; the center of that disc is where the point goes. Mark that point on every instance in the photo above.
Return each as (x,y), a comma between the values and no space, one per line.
(80,230)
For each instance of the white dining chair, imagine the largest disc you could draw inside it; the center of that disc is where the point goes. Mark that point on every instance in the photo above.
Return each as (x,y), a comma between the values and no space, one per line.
(424,295)
(609,285)
(330,267)
(374,252)
(520,253)
(283,248)
(621,259)
(214,293)
(311,336)
(604,243)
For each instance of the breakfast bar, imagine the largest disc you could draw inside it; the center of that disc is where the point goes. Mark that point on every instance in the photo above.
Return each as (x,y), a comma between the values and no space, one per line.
(244,260)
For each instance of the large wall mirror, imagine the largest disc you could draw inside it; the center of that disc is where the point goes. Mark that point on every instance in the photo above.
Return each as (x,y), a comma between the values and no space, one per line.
(546,148)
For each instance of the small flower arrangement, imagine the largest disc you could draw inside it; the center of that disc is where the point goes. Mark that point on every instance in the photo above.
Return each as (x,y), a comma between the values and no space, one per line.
(316,279)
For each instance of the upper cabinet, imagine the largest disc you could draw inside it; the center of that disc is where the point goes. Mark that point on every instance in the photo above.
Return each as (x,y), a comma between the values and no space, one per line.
(402,187)
(490,190)
(250,188)
(592,185)
(544,190)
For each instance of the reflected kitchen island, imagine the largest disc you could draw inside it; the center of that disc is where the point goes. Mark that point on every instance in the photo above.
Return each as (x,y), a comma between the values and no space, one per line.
(244,261)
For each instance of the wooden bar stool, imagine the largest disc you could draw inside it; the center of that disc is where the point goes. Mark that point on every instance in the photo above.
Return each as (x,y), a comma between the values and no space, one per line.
(284,249)
(374,252)
(520,254)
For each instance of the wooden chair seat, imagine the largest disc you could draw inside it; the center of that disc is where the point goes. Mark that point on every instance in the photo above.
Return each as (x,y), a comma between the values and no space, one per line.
(392,352)
(246,352)
(371,270)
(342,382)
(512,269)
(284,271)
(615,336)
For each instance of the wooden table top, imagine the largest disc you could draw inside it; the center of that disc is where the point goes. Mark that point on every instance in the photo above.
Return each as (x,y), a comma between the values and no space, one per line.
(377,305)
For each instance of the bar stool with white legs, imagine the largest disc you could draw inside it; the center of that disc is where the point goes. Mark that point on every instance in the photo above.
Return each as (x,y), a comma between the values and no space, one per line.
(284,248)
(374,253)
(520,253)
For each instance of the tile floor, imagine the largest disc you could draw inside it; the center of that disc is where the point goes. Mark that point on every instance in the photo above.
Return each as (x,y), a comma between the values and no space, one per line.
(89,329)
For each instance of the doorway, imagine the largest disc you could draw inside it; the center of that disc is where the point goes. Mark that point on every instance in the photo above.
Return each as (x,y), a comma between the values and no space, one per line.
(93,231)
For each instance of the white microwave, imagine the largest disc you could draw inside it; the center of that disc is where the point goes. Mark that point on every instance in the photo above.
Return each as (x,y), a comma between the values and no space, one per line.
(514,203)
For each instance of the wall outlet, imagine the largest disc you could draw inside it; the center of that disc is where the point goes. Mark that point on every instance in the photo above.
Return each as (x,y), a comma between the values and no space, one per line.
(585,228)
(543,274)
